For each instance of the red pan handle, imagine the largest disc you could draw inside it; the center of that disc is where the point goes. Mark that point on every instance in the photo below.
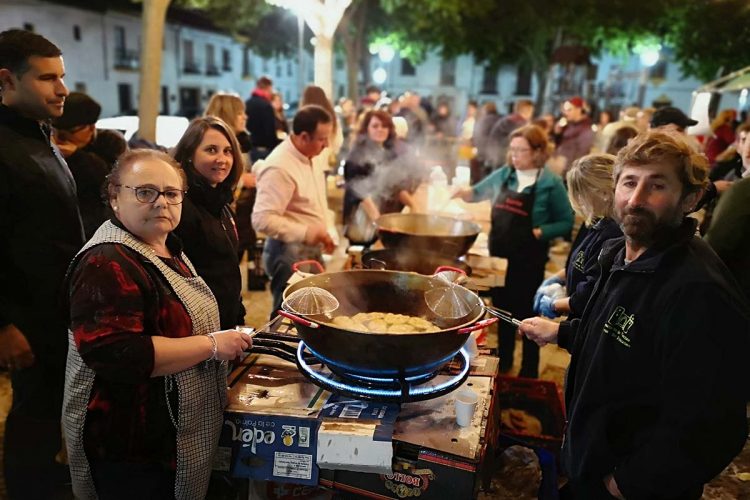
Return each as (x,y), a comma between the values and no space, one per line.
(297,319)
(478,325)
(440,269)
(312,262)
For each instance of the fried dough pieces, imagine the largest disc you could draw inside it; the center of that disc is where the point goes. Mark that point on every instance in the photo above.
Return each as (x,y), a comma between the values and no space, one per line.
(381,322)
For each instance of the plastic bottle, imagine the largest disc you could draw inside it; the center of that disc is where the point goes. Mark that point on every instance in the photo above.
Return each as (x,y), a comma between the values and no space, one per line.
(438,177)
(438,193)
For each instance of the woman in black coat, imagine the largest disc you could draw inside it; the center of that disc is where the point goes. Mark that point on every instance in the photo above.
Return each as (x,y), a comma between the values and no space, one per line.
(212,159)
(376,175)
(231,109)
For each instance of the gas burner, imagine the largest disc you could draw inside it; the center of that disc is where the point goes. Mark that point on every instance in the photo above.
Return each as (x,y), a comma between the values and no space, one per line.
(382,389)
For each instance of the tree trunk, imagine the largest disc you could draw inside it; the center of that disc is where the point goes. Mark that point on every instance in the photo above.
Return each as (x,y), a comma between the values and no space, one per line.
(323,60)
(352,29)
(154,13)
(364,65)
(547,106)
(542,82)
(352,72)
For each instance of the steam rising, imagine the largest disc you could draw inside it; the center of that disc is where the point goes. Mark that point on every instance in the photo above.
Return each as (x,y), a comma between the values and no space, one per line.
(402,167)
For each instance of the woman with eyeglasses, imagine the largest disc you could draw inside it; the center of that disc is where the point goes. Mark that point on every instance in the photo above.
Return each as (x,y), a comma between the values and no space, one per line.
(530,207)
(212,160)
(145,385)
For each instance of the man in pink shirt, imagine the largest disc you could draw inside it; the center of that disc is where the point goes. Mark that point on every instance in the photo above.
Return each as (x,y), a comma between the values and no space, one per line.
(290,207)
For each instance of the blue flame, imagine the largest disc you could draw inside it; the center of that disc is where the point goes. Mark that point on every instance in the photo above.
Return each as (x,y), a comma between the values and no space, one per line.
(376,392)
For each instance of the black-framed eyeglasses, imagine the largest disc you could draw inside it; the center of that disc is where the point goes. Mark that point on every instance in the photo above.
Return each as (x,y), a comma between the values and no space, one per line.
(149,195)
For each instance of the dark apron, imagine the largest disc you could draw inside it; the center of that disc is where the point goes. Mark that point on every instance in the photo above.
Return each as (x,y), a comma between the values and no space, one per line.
(511,237)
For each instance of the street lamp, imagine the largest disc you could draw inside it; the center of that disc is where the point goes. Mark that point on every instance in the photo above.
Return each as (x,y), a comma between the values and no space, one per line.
(650,56)
(386,53)
(379,76)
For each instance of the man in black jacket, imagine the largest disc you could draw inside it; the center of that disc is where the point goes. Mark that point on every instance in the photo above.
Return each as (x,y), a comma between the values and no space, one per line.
(261,121)
(73,133)
(657,384)
(40,232)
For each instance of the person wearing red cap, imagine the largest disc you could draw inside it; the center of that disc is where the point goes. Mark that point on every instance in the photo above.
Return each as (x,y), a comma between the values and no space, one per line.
(577,137)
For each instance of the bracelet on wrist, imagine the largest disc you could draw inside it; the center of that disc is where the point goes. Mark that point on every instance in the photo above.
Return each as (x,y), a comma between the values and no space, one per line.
(214,345)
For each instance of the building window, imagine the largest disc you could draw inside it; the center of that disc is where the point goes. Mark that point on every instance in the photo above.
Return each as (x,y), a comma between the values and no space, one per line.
(124,58)
(120,40)
(226,60)
(247,65)
(523,81)
(77,33)
(278,68)
(289,68)
(448,72)
(339,63)
(190,102)
(211,68)
(190,65)
(407,68)
(265,66)
(125,98)
(28,26)
(80,87)
(658,72)
(489,81)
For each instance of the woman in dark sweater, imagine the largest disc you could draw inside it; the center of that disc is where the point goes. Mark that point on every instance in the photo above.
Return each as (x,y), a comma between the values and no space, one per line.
(212,159)
(231,109)
(376,177)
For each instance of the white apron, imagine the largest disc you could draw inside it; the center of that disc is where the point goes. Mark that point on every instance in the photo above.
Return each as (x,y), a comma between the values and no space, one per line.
(201,389)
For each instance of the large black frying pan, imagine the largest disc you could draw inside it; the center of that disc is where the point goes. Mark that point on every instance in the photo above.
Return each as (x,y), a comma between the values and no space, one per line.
(379,353)
(406,259)
(432,233)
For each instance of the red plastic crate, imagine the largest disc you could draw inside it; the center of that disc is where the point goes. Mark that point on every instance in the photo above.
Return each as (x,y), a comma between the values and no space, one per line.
(539,398)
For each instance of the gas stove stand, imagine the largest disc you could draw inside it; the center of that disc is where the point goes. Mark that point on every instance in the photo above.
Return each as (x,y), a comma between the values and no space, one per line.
(401,389)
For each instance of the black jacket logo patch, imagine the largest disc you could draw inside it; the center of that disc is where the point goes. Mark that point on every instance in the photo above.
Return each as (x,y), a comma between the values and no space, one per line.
(619,324)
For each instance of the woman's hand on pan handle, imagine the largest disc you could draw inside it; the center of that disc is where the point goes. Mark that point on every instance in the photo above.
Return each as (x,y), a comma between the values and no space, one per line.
(541,331)
(231,343)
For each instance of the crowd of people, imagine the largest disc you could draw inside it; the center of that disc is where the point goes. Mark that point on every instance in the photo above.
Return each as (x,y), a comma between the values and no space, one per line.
(121,298)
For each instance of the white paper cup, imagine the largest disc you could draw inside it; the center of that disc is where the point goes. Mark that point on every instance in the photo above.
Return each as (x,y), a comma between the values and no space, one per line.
(466,404)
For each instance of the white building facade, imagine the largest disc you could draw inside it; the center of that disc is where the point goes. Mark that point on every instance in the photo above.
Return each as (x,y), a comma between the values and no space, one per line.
(102,56)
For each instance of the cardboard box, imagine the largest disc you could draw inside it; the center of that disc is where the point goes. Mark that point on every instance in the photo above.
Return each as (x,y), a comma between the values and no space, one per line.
(433,457)
(431,476)
(270,425)
(271,447)
(487,271)
(356,435)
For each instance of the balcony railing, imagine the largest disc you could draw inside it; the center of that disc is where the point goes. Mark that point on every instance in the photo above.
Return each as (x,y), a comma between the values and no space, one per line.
(212,70)
(127,59)
(191,68)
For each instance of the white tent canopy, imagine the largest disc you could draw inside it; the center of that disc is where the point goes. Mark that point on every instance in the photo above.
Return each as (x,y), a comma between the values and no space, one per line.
(737,82)
(733,82)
